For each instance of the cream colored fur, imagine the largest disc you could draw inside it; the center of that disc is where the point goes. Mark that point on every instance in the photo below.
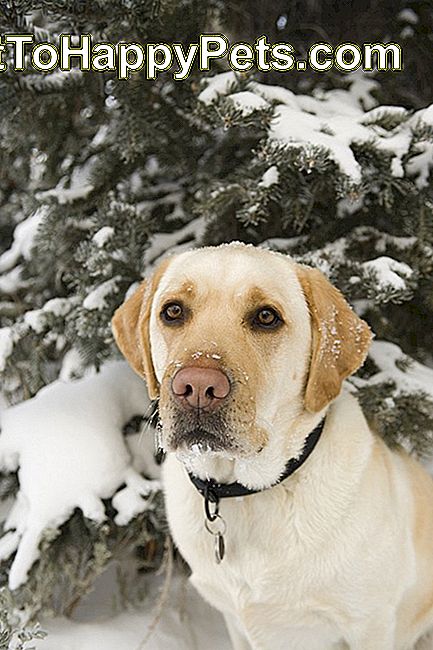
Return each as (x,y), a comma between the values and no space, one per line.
(340,554)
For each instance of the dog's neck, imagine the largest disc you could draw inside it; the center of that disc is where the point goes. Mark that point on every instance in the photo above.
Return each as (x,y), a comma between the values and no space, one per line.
(325,463)
(264,469)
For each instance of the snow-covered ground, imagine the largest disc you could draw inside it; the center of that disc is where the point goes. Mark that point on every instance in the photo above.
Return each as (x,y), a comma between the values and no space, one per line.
(186,622)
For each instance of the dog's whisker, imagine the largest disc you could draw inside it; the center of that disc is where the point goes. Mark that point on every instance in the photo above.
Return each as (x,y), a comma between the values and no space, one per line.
(148,420)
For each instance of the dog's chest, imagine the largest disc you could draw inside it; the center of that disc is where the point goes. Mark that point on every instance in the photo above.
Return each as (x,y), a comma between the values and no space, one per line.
(260,571)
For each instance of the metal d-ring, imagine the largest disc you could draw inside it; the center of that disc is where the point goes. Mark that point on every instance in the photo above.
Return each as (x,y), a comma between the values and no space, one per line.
(213,517)
(222,526)
(209,498)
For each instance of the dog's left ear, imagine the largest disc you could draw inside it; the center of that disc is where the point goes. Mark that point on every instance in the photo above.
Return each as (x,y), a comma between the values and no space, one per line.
(340,339)
(130,325)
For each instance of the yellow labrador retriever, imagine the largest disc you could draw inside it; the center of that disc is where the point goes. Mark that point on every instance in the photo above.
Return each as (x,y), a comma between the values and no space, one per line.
(298,523)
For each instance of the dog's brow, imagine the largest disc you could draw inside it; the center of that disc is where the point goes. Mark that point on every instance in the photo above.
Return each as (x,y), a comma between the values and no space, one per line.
(186,290)
(256,297)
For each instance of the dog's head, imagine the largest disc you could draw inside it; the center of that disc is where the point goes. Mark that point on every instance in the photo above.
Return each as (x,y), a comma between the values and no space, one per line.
(238,342)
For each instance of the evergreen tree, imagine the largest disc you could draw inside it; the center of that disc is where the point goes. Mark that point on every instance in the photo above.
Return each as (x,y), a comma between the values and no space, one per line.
(99,178)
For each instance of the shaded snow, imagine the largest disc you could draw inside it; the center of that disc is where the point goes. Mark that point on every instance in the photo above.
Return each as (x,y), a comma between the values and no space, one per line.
(174,242)
(96,299)
(100,136)
(426,115)
(218,85)
(22,244)
(421,164)
(380,111)
(103,235)
(270,177)
(248,102)
(72,365)
(408,16)
(68,447)
(416,377)
(186,623)
(6,345)
(36,319)
(11,281)
(79,185)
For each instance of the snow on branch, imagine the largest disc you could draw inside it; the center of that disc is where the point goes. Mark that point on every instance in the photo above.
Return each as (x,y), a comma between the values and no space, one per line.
(68,448)
(405,373)
(24,235)
(389,273)
(334,121)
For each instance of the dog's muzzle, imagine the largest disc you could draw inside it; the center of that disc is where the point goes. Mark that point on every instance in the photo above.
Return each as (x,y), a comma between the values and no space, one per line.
(200,430)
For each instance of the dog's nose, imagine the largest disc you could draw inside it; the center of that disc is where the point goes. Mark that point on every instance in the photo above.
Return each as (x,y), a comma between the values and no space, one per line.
(200,387)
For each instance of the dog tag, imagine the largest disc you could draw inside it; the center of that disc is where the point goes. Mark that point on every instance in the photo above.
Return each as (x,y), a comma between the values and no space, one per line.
(220,548)
(217,528)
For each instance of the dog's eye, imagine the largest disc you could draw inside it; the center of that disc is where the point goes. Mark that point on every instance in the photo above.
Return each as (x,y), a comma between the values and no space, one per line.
(172,312)
(266,318)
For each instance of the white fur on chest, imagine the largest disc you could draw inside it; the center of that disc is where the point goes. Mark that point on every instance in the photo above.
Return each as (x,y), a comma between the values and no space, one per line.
(299,561)
(257,573)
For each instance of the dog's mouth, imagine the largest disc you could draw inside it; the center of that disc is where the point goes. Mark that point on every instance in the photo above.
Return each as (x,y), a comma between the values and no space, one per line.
(201,438)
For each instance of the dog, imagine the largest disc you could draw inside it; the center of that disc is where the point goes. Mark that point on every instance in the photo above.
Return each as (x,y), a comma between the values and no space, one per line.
(298,523)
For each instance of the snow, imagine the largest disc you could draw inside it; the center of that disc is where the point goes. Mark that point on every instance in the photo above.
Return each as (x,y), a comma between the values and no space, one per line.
(295,128)
(6,345)
(24,235)
(96,298)
(335,120)
(270,177)
(426,115)
(174,242)
(386,356)
(36,319)
(11,281)
(186,622)
(247,102)
(218,85)
(72,365)
(100,136)
(68,447)
(389,272)
(80,184)
(421,164)
(408,16)
(103,235)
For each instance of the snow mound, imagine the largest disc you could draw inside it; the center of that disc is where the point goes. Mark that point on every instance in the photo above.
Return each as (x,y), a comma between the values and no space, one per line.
(68,447)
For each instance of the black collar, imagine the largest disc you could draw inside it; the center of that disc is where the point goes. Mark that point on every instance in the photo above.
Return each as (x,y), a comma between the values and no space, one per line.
(213,491)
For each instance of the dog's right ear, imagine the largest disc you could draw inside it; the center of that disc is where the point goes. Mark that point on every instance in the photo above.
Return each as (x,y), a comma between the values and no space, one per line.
(130,325)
